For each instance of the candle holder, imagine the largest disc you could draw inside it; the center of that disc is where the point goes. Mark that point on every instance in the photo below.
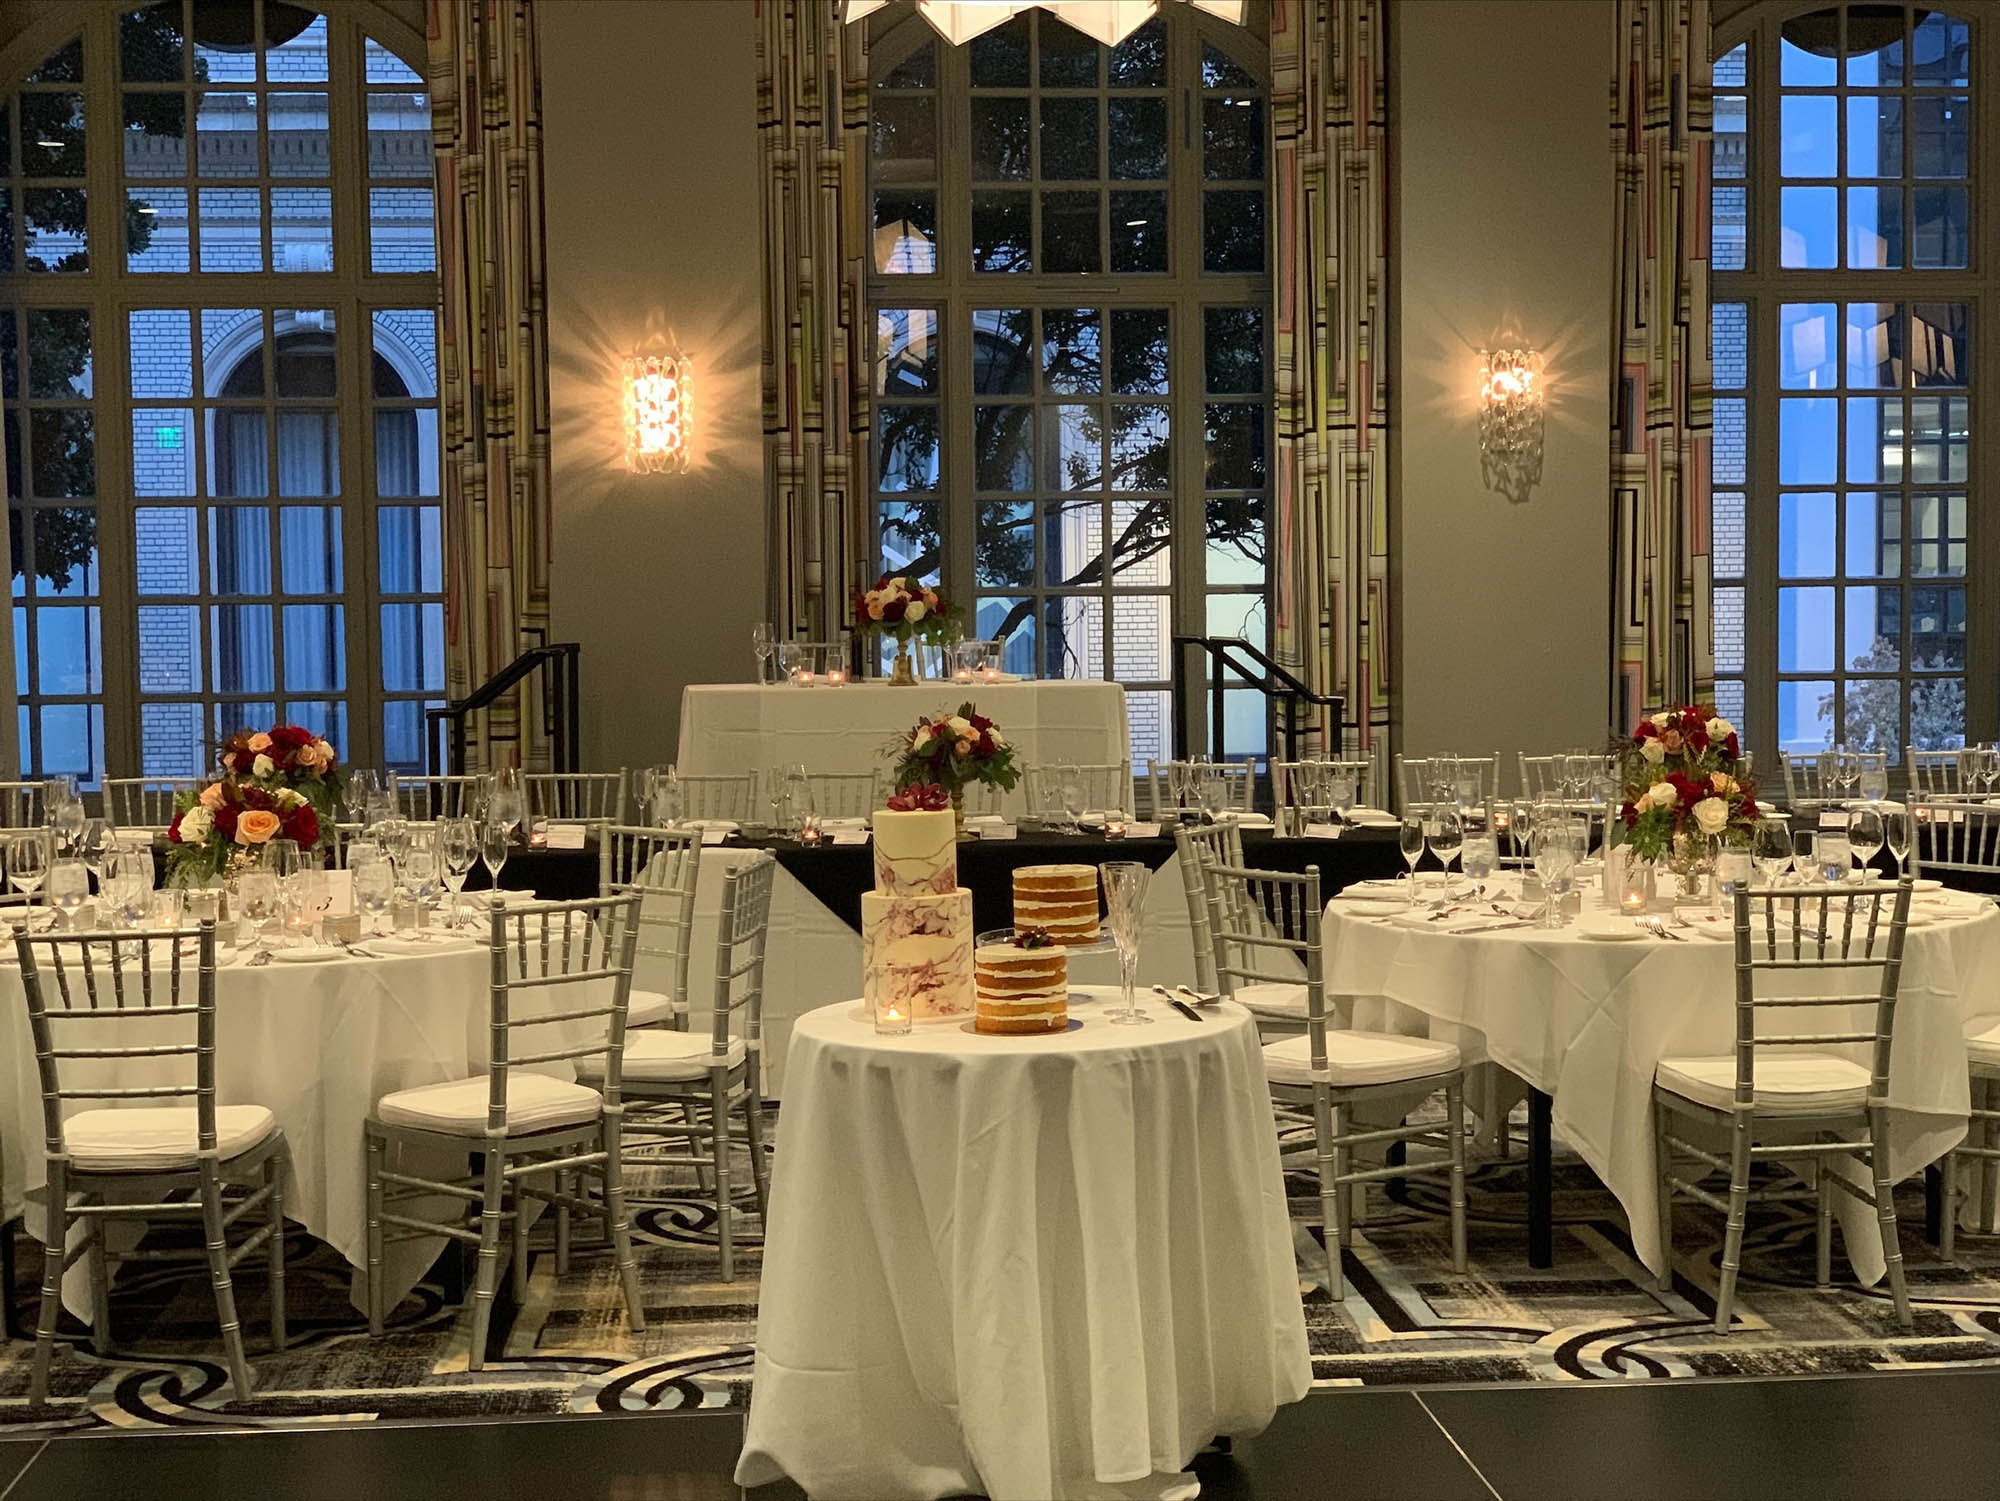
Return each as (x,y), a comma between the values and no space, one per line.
(892,1018)
(1114,823)
(1636,891)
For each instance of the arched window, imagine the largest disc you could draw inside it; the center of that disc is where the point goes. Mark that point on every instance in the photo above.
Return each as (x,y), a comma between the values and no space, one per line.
(1071,289)
(219,346)
(1854,402)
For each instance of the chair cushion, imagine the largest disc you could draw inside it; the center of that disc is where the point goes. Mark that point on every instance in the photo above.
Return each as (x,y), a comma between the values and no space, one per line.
(1786,1083)
(649,1008)
(1272,998)
(660,1057)
(159,1138)
(1356,1058)
(535,1102)
(1983,1045)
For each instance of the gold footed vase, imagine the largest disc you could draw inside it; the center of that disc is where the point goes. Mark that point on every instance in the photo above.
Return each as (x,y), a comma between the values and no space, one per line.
(958,814)
(903,671)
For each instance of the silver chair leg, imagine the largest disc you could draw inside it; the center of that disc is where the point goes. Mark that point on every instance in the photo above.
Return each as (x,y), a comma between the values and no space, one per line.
(491,1209)
(1663,1173)
(1989,1169)
(566,1186)
(725,1212)
(518,1260)
(1454,1110)
(274,1175)
(1823,1230)
(219,1276)
(1885,1211)
(376,1311)
(1948,1217)
(753,1127)
(620,1220)
(1739,1204)
(55,1233)
(100,1289)
(1325,1128)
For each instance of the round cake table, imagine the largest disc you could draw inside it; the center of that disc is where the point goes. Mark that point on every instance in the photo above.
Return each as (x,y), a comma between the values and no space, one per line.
(1024,1267)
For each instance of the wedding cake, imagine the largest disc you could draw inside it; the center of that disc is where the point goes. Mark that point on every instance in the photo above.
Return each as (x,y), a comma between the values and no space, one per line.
(1061,900)
(1023,986)
(916,925)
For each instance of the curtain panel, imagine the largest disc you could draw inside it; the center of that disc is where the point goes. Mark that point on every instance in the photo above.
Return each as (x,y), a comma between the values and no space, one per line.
(812,131)
(1329,534)
(1661,122)
(485,79)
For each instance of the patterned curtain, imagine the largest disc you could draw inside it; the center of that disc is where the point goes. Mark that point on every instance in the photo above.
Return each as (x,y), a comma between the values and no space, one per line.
(485,79)
(1330,530)
(812,122)
(1664,636)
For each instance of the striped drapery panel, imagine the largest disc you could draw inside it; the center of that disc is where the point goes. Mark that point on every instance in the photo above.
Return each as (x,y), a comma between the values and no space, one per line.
(812,126)
(485,80)
(1330,528)
(1661,122)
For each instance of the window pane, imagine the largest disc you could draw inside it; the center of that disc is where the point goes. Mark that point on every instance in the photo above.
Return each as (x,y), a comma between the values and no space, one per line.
(171,741)
(309,549)
(409,544)
(1729,629)
(1232,230)
(1232,138)
(1070,223)
(399,135)
(1233,350)
(1003,447)
(1069,58)
(1937,713)
(1807,48)
(231,230)
(1942,217)
(1874,228)
(54,222)
(1142,555)
(1805,630)
(162,353)
(316,648)
(906,448)
(62,451)
(1940,334)
(1003,351)
(1072,542)
(1806,536)
(1874,535)
(1075,458)
(1873,629)
(163,451)
(1004,549)
(1872,716)
(412,648)
(1011,621)
(911,539)
(906,233)
(1139,454)
(166,547)
(1073,636)
(170,649)
(1941,50)
(1138,137)
(1235,446)
(1139,356)
(1000,56)
(1874,440)
(151,45)
(1811,136)
(1809,227)
(242,656)
(1875,136)
(1939,132)
(1000,138)
(905,129)
(239,550)
(239,460)
(1805,716)
(1000,230)
(1236,539)
(1072,361)
(401,236)
(1808,346)
(1808,440)
(1069,139)
(1875,340)
(52,139)
(1139,232)
(1140,61)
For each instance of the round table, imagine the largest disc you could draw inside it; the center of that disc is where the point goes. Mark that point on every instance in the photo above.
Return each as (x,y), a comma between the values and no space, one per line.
(1587,1020)
(1025,1267)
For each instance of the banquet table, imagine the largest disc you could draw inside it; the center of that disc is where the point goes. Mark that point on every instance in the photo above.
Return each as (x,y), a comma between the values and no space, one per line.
(317,1044)
(1585,1022)
(737,727)
(1023,1267)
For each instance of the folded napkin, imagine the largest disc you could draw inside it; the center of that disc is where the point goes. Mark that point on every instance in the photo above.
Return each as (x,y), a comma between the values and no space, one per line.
(830,824)
(1253,820)
(975,820)
(1470,920)
(1371,818)
(1363,894)
(727,825)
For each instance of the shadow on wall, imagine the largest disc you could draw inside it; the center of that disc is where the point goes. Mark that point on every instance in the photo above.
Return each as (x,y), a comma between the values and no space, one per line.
(585,357)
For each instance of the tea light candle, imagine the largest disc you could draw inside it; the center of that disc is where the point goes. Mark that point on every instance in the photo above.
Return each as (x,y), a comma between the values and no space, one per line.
(1114,827)
(1633,899)
(991,674)
(961,675)
(802,677)
(892,1018)
(835,676)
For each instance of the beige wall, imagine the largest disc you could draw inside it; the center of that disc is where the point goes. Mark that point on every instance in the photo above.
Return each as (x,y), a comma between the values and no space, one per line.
(650,134)
(1504,199)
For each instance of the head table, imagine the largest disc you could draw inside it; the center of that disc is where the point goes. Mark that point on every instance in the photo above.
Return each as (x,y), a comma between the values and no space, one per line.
(1023,1267)
(1587,1019)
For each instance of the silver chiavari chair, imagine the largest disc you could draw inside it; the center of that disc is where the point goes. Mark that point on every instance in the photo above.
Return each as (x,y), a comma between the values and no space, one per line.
(143,802)
(20,805)
(1954,836)
(844,794)
(1936,773)
(683,1086)
(1416,778)
(1328,1070)
(1105,785)
(1238,780)
(1198,849)
(1278,1002)
(576,796)
(662,867)
(1805,788)
(424,798)
(525,1125)
(731,795)
(129,1019)
(1791,1095)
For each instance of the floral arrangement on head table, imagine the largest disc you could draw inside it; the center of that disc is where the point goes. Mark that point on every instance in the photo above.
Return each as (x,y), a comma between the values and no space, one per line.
(905,608)
(1684,784)
(281,783)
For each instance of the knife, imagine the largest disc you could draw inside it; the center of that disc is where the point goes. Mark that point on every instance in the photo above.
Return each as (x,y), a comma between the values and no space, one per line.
(1186,1010)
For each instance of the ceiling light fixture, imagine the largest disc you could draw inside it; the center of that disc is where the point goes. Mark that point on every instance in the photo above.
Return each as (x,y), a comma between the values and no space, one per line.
(1107,21)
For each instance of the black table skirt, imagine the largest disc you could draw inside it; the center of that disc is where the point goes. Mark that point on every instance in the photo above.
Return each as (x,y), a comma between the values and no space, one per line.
(552,875)
(837,875)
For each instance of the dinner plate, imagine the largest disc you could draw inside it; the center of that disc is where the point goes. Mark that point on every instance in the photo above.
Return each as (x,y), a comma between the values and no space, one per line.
(1926,883)
(318,955)
(1372,818)
(1626,933)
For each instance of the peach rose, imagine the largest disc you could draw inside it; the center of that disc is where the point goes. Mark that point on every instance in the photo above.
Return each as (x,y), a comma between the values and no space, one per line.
(256,826)
(211,795)
(260,742)
(1671,739)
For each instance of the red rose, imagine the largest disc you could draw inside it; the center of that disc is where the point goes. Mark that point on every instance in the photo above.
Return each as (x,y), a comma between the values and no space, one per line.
(174,830)
(225,821)
(302,826)
(1630,813)
(1644,733)
(257,797)
(290,737)
(1730,749)
(1748,811)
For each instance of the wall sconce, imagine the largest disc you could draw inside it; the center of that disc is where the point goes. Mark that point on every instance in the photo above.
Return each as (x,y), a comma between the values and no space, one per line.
(1510,420)
(658,412)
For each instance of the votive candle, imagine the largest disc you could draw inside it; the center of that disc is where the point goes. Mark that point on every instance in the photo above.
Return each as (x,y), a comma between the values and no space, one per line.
(1114,828)
(961,675)
(892,1018)
(835,676)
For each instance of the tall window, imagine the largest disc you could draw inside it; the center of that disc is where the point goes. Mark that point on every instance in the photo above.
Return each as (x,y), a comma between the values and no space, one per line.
(220,361)
(1852,498)
(1071,288)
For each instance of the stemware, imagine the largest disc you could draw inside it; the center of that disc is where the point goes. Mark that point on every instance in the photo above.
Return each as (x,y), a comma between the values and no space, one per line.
(1865,836)
(1555,864)
(1478,855)
(1125,895)
(27,862)
(1523,831)
(128,886)
(1771,848)
(1214,791)
(419,872)
(1446,834)
(68,889)
(96,841)
(1412,839)
(763,641)
(493,852)
(1874,781)
(506,799)
(310,895)
(458,846)
(1073,798)
(1896,834)
(282,859)
(1835,856)
(256,901)
(375,889)
(1339,790)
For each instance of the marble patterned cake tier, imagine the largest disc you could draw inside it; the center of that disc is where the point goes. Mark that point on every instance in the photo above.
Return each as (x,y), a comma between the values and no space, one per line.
(917,950)
(916,853)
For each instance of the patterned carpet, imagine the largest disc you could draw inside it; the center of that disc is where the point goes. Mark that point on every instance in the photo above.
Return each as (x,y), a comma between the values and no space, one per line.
(1407,1319)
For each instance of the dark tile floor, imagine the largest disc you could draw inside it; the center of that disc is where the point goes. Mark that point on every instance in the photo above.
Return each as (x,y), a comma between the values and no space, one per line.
(1927,1434)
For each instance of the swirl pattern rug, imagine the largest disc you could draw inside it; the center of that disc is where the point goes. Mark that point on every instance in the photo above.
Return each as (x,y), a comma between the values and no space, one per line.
(1408,1318)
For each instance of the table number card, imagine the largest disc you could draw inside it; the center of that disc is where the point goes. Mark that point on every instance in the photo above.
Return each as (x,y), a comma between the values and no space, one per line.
(1322,831)
(996,831)
(1142,831)
(566,836)
(714,836)
(340,893)
(850,836)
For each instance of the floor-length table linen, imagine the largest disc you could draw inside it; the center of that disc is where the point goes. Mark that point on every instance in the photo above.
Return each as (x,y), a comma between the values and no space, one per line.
(317,1045)
(1588,1021)
(737,727)
(1021,1267)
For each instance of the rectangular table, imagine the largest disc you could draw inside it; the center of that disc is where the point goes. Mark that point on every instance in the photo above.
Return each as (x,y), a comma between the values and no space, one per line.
(736,727)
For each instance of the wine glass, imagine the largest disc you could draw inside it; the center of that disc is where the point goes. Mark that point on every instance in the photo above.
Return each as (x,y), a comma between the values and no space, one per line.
(458,847)
(1896,834)
(1446,834)
(506,799)
(27,862)
(96,841)
(375,888)
(281,858)
(1214,791)
(1771,848)
(419,872)
(128,885)
(1555,864)
(798,798)
(1865,836)
(257,901)
(763,641)
(310,895)
(1989,768)
(1523,831)
(1412,840)
(1073,798)
(493,852)
(68,889)
(1181,783)
(1125,894)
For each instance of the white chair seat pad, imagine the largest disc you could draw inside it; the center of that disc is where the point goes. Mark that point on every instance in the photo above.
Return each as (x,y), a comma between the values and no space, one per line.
(160,1138)
(1272,998)
(649,1008)
(1984,1046)
(666,1057)
(535,1102)
(1787,1082)
(1358,1058)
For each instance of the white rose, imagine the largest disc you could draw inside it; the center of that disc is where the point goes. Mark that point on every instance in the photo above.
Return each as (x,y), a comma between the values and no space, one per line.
(195,824)
(1720,729)
(1662,719)
(262,767)
(923,739)
(1662,795)
(1711,815)
(994,736)
(915,611)
(1654,751)
(960,725)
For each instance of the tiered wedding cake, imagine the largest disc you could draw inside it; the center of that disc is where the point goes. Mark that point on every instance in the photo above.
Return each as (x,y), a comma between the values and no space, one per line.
(916,925)
(1023,986)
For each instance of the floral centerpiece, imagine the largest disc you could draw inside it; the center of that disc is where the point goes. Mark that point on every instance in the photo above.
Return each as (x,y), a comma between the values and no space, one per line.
(285,783)
(1683,787)
(906,610)
(939,758)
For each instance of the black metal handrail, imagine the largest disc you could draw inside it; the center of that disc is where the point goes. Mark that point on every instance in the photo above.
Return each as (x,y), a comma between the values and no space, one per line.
(561,708)
(1227,654)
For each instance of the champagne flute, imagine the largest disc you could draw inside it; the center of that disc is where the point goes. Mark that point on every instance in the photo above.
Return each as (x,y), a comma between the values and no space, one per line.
(458,845)
(1125,894)
(1412,840)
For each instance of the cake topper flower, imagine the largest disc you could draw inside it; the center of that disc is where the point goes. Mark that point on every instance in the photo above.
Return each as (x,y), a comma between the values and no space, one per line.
(1033,938)
(920,797)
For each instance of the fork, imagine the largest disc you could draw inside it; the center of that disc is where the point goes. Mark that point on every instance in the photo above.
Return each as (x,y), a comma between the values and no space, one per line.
(1658,928)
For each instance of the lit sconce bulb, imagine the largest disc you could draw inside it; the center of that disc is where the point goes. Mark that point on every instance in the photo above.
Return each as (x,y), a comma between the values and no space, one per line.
(1510,420)
(658,391)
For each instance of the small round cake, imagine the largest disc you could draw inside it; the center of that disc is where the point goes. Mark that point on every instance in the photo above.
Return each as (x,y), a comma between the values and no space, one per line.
(1022,987)
(1061,900)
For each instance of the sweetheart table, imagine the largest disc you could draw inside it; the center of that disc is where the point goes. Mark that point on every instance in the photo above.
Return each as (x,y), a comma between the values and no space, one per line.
(1021,1267)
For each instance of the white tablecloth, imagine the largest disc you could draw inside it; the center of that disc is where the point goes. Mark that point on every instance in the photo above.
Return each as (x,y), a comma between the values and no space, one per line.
(1587,1022)
(317,1045)
(1021,1267)
(734,727)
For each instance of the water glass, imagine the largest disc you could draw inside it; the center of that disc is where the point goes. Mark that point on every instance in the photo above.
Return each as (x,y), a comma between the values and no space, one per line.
(69,889)
(1479,855)
(1124,897)
(1835,856)
(257,899)
(1732,873)
(1555,864)
(375,889)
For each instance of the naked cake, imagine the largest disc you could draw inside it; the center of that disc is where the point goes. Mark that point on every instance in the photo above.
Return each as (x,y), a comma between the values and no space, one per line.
(1023,986)
(1061,900)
